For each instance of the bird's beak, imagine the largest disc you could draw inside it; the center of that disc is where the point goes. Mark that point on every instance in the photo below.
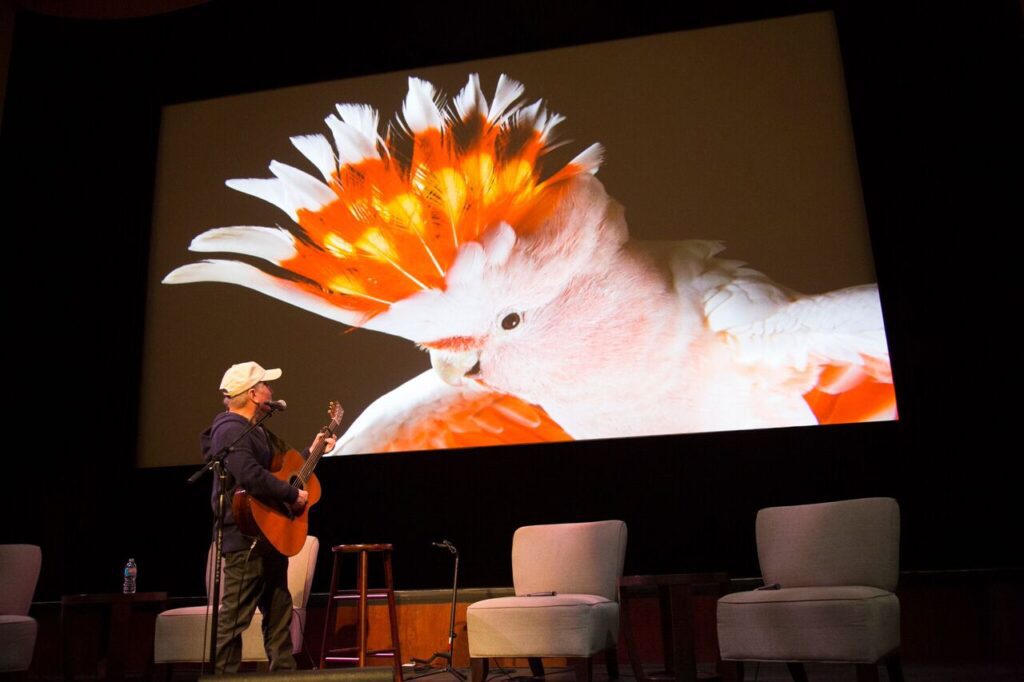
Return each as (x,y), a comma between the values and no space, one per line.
(454,366)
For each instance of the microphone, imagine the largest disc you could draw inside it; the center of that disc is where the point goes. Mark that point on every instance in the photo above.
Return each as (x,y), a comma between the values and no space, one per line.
(276,405)
(444,544)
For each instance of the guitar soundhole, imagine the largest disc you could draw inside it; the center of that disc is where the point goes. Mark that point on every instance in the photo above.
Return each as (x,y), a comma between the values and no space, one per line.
(296,482)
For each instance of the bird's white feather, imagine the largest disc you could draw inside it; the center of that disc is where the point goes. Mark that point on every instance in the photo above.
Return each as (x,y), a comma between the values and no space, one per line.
(271,190)
(590,159)
(470,99)
(245,275)
(420,109)
(352,145)
(304,191)
(290,190)
(272,244)
(468,266)
(498,243)
(318,150)
(505,95)
(363,118)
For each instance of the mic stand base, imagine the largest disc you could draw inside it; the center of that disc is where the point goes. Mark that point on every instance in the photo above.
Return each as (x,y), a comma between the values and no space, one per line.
(445,656)
(425,663)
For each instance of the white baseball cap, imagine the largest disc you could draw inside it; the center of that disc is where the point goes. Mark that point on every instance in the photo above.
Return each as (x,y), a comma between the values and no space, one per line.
(243,376)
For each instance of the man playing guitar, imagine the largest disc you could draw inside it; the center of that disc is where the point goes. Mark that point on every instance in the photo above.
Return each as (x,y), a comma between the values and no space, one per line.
(255,573)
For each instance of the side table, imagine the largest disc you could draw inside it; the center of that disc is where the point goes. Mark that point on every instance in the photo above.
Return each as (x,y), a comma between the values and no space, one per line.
(675,594)
(116,633)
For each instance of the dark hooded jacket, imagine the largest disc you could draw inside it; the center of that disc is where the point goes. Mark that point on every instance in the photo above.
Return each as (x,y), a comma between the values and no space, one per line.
(247,466)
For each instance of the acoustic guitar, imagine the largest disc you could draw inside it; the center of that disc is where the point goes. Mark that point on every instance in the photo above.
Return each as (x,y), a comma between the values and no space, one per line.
(286,530)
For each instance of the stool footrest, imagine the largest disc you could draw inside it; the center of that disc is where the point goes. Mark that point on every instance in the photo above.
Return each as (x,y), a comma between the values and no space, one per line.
(372,652)
(379,594)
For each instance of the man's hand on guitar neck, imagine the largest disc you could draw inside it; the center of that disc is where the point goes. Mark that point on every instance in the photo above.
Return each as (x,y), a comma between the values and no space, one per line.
(328,443)
(300,502)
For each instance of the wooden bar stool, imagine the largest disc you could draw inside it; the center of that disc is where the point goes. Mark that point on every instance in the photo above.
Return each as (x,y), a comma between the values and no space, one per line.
(359,653)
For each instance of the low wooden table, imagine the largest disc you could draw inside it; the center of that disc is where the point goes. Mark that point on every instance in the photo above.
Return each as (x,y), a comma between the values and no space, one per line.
(117,634)
(675,594)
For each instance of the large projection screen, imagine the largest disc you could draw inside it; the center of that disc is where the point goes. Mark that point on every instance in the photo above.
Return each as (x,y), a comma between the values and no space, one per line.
(738,133)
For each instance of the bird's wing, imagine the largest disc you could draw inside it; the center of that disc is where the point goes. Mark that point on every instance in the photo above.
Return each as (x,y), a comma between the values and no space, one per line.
(830,346)
(425,413)
(835,342)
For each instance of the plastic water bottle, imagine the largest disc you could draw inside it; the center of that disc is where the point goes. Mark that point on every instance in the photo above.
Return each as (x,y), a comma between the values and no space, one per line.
(131,572)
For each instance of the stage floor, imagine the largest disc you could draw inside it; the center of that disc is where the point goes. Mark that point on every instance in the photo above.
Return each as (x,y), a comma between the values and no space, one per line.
(766,672)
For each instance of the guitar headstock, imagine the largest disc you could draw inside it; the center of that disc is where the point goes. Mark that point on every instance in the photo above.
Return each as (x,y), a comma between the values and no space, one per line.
(335,411)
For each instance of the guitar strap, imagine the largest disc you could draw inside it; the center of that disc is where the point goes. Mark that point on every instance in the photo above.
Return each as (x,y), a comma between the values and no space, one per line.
(277,444)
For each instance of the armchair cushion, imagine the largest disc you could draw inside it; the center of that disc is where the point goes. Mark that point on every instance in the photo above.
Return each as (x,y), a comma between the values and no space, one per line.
(182,636)
(574,625)
(850,624)
(17,642)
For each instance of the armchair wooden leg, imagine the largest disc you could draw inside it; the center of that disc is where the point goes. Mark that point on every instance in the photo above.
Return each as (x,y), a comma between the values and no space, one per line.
(536,667)
(611,662)
(894,666)
(867,672)
(584,668)
(478,669)
(797,672)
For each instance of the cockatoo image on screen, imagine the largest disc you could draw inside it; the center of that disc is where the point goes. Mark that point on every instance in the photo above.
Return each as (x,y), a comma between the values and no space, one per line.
(544,321)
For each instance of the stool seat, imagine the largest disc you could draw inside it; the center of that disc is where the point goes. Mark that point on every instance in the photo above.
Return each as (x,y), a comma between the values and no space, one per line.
(361,595)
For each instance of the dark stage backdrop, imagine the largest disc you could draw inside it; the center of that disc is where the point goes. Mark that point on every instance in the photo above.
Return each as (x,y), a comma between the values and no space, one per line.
(934,104)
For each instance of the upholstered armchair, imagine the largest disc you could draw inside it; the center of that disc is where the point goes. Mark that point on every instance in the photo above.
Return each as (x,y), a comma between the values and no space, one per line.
(829,571)
(19,572)
(183,635)
(566,603)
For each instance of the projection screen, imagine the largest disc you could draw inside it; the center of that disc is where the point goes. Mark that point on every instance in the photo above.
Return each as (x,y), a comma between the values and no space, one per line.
(571,307)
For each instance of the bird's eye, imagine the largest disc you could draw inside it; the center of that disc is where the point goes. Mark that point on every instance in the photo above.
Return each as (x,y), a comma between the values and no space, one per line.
(510,321)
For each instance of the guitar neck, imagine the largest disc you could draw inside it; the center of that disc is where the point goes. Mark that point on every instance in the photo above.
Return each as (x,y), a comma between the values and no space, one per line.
(316,452)
(309,465)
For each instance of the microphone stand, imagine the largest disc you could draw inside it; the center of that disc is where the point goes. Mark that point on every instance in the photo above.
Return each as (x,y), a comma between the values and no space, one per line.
(446,656)
(216,465)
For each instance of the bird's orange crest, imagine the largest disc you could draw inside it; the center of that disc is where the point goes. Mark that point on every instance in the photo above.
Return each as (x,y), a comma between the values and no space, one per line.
(389,217)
